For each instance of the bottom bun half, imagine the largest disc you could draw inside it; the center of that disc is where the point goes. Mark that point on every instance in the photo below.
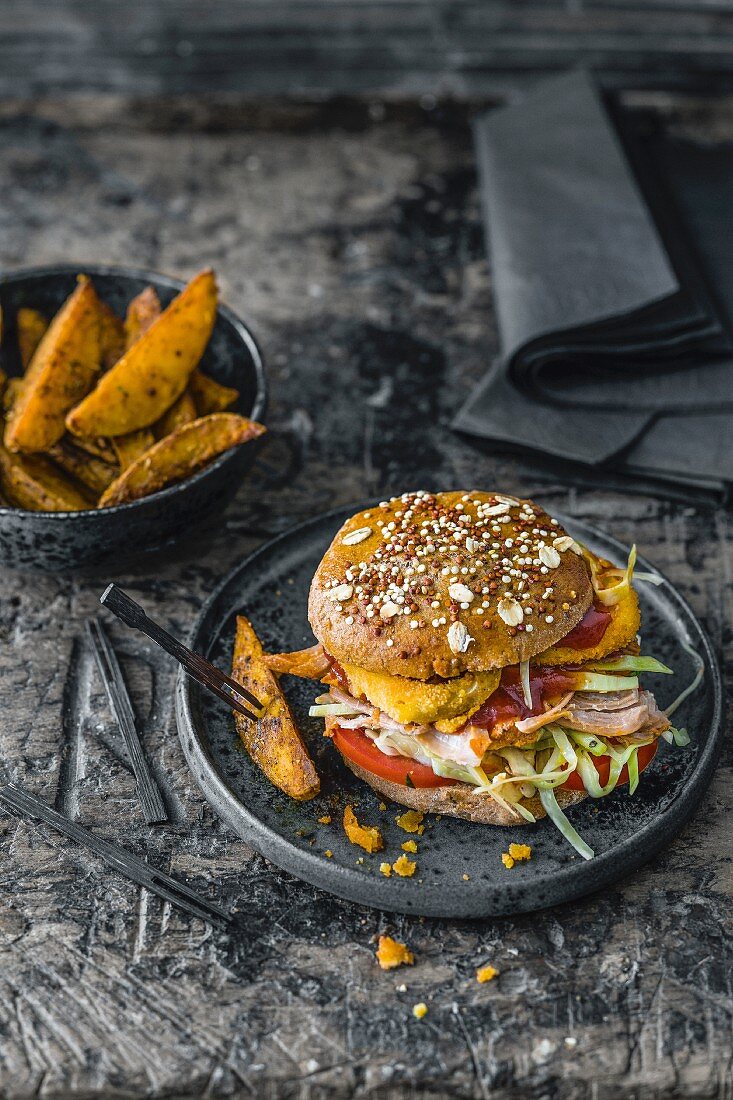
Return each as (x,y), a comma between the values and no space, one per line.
(459,799)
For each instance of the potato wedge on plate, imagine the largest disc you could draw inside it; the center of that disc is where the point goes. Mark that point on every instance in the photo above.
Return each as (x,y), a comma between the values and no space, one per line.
(149,377)
(272,741)
(179,455)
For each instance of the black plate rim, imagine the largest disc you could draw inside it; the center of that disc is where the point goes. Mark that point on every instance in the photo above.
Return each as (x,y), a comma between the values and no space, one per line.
(578,879)
(245,334)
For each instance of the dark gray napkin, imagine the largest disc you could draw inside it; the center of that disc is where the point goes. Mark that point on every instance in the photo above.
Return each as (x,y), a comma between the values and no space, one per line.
(606,322)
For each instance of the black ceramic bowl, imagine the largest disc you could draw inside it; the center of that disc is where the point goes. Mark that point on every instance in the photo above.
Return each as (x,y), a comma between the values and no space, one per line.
(53,541)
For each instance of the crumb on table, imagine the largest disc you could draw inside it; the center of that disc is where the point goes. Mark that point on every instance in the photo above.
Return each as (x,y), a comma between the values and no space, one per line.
(391,953)
(486,973)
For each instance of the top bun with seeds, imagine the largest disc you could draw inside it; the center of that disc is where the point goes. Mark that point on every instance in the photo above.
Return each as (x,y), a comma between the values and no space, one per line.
(441,584)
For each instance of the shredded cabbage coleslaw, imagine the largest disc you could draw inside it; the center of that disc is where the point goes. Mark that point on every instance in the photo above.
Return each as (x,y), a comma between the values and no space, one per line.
(531,770)
(540,768)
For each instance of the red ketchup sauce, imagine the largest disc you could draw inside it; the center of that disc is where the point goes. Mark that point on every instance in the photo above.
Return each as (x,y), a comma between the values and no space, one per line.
(589,630)
(338,673)
(547,684)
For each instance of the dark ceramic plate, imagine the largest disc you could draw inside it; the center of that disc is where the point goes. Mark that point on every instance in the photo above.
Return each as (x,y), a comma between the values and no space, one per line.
(54,541)
(271,587)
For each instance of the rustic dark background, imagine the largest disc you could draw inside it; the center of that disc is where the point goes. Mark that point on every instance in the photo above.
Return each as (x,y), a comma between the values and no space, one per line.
(347,231)
(454,48)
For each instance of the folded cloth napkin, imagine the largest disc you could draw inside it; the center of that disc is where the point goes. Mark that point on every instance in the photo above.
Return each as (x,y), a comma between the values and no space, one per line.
(614,351)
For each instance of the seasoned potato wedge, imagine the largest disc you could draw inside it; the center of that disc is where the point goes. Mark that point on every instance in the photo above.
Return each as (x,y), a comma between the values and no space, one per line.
(100,448)
(31,327)
(92,472)
(62,370)
(128,448)
(203,395)
(179,455)
(111,336)
(141,312)
(10,394)
(210,396)
(272,741)
(107,410)
(32,482)
(149,377)
(181,412)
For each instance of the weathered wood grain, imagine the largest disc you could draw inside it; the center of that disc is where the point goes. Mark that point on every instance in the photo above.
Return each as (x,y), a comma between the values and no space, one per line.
(416,47)
(355,250)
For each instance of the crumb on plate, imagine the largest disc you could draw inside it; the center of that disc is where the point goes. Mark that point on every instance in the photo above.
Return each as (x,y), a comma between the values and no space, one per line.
(516,853)
(404,867)
(411,821)
(367,837)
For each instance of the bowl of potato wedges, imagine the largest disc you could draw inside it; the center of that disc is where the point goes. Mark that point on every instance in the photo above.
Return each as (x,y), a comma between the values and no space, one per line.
(131,408)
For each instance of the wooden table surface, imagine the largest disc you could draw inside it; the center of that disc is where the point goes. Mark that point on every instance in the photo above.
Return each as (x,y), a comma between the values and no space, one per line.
(349,236)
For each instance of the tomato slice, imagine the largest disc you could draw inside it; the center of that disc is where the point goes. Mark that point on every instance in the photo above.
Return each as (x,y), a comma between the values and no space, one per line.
(357,747)
(603,766)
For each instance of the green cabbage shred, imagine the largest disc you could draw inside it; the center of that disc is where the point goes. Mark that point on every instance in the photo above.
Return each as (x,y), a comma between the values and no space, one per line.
(546,764)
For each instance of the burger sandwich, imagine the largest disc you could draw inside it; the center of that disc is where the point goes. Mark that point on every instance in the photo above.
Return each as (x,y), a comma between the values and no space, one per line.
(480,662)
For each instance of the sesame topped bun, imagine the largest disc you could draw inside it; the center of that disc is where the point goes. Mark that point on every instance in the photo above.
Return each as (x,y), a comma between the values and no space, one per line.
(441,584)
